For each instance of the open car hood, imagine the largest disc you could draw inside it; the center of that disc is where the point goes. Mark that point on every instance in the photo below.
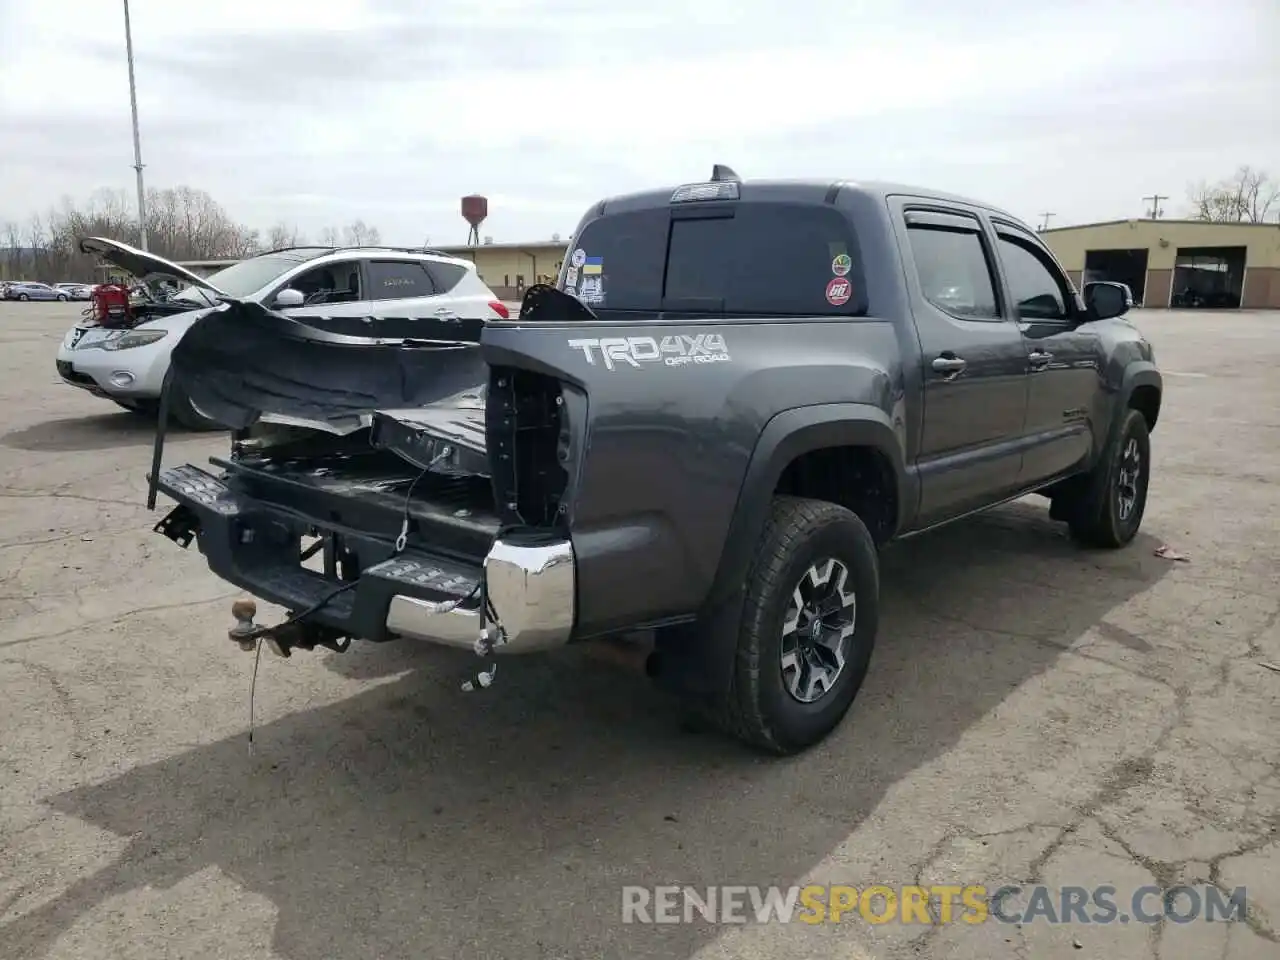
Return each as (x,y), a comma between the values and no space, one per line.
(142,264)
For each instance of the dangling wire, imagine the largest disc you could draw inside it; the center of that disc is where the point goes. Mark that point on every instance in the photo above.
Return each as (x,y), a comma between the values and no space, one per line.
(253,689)
(406,519)
(401,542)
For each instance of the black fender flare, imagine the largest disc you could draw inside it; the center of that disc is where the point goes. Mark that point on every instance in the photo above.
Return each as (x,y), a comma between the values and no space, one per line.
(1140,373)
(787,435)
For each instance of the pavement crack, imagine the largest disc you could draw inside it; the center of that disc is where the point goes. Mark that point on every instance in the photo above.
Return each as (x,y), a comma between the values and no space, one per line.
(112,621)
(921,940)
(983,628)
(62,696)
(79,534)
(1125,775)
(12,493)
(1252,918)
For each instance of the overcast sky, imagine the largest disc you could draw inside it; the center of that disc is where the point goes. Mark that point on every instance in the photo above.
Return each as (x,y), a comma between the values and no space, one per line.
(319,112)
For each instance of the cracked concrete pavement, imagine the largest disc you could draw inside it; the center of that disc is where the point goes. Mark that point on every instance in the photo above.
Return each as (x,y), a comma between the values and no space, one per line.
(1034,713)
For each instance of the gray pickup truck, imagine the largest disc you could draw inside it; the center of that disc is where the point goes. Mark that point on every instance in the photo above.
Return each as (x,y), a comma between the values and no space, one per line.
(736,392)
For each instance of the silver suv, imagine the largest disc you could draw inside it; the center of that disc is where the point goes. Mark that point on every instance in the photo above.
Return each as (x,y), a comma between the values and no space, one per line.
(351,285)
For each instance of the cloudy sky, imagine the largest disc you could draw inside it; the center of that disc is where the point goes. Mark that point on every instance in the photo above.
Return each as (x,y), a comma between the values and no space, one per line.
(316,113)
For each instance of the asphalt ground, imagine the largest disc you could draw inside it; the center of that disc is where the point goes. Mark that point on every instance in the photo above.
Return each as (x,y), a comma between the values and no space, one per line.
(1034,713)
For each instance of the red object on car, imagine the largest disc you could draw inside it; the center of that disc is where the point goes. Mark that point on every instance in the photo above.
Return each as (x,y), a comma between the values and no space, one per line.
(111,305)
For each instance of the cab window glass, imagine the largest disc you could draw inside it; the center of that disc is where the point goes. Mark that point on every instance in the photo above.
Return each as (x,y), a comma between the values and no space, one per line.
(954,273)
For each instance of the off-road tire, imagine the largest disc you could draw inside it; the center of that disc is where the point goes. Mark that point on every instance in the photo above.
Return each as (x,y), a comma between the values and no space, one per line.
(757,708)
(1092,509)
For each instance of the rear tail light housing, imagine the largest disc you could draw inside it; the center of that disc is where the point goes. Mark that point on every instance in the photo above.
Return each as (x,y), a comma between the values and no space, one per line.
(500,308)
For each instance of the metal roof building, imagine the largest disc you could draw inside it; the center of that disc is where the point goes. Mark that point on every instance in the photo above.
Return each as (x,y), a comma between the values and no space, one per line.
(1176,263)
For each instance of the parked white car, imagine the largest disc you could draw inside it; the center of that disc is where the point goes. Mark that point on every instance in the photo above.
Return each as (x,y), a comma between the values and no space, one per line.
(356,286)
(75,291)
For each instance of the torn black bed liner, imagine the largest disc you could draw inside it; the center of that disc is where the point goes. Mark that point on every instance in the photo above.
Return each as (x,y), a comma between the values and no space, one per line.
(445,437)
(243,361)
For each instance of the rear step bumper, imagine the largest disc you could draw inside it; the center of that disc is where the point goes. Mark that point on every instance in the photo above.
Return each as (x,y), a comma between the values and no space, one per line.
(529,586)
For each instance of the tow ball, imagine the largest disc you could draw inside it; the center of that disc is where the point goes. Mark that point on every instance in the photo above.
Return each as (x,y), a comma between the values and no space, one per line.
(284,637)
(244,632)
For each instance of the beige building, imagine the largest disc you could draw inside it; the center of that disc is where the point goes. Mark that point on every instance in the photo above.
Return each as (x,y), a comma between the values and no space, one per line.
(1176,263)
(510,268)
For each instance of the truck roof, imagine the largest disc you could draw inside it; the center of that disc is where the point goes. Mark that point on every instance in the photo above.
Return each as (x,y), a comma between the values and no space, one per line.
(807,190)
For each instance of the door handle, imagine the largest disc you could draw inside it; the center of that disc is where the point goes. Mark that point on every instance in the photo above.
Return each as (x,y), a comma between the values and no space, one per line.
(948,366)
(1039,359)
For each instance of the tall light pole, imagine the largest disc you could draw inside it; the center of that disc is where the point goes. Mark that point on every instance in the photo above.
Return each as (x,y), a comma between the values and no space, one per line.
(137,138)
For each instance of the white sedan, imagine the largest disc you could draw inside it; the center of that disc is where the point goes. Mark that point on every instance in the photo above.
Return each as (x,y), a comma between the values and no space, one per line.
(127,363)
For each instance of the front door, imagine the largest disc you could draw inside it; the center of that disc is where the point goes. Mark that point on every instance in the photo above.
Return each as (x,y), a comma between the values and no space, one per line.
(973,366)
(1064,358)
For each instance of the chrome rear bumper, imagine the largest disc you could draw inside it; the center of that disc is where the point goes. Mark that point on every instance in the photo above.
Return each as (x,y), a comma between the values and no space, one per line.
(530,588)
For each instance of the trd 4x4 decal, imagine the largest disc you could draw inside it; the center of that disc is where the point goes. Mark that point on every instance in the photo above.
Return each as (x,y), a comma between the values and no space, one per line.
(672,351)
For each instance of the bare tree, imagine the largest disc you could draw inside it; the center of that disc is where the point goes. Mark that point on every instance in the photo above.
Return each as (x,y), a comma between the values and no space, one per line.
(41,257)
(359,234)
(283,235)
(187,224)
(183,223)
(11,266)
(1246,197)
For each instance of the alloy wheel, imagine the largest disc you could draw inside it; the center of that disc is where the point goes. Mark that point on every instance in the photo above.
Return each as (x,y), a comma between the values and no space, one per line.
(818,630)
(1127,479)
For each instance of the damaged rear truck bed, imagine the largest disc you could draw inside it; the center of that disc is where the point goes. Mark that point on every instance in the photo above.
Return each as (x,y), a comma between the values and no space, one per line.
(735,394)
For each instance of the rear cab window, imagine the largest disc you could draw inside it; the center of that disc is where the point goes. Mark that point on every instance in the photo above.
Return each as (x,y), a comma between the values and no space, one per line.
(719,257)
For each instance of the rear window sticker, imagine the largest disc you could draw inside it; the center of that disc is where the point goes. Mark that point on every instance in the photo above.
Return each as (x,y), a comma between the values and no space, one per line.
(592,290)
(841,265)
(839,290)
(571,277)
(592,266)
(578,258)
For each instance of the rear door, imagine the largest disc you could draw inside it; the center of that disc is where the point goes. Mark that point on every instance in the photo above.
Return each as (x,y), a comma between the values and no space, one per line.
(974,362)
(402,288)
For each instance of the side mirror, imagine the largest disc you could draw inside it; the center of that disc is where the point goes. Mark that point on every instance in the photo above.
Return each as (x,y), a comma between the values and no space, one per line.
(288,297)
(1106,300)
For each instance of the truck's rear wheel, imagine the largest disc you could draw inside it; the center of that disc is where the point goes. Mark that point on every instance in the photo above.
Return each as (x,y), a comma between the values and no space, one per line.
(1106,509)
(808,627)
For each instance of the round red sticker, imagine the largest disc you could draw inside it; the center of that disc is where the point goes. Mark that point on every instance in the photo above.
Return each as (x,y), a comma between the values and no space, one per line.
(839,290)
